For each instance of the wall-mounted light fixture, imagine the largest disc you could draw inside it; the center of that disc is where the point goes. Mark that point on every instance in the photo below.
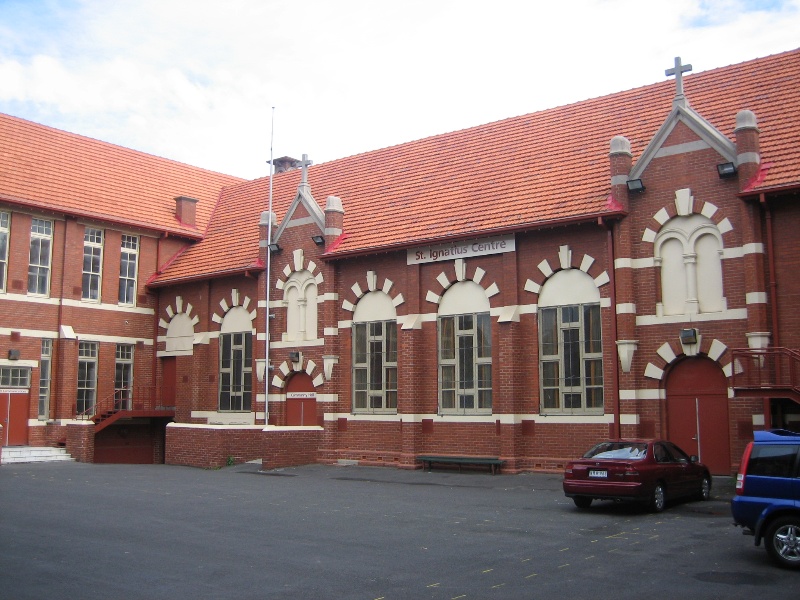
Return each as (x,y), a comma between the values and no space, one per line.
(726,170)
(688,336)
(318,240)
(275,248)
(635,185)
(294,357)
(13,354)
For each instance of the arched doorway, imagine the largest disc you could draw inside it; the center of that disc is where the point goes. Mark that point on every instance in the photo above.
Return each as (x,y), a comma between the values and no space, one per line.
(301,401)
(697,412)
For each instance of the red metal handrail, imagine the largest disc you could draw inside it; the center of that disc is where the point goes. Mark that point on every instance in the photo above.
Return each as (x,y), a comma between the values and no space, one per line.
(140,397)
(766,369)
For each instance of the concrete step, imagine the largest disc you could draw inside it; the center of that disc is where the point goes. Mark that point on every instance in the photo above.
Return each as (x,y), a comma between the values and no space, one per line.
(31,454)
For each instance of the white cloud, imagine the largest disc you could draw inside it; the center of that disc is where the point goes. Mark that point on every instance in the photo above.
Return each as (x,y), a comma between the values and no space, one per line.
(196,80)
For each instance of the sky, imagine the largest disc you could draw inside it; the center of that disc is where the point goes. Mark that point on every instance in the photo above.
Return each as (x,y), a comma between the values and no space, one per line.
(225,84)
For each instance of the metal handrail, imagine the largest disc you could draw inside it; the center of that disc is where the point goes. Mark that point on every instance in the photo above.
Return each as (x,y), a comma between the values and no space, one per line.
(766,368)
(142,397)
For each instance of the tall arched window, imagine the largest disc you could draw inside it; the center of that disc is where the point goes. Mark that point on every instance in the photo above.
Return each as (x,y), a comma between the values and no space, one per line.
(300,299)
(236,361)
(689,252)
(570,345)
(465,350)
(375,354)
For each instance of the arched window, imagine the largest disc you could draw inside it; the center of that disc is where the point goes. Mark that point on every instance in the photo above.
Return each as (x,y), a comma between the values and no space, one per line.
(689,252)
(570,345)
(236,361)
(375,354)
(465,350)
(300,299)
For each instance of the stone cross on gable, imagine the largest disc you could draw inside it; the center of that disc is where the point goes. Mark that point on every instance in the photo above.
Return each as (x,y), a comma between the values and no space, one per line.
(678,70)
(304,164)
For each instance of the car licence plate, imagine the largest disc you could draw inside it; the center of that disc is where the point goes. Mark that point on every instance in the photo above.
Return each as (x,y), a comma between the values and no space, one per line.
(603,474)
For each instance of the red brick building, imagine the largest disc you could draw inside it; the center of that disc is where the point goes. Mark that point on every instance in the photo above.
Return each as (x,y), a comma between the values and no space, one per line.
(622,266)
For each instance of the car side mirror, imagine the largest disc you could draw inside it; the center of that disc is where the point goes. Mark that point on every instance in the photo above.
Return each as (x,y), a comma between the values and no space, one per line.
(693,458)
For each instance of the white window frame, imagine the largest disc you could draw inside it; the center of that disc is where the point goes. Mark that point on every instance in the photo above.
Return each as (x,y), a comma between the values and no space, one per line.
(123,377)
(5,235)
(45,371)
(375,367)
(235,372)
(129,253)
(570,367)
(86,399)
(92,281)
(465,363)
(41,234)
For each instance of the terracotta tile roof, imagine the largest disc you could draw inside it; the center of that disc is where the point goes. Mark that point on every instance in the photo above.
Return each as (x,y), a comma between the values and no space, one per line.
(53,169)
(524,172)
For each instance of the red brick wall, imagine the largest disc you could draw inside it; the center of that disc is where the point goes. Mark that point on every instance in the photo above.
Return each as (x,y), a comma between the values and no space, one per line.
(290,447)
(80,441)
(212,447)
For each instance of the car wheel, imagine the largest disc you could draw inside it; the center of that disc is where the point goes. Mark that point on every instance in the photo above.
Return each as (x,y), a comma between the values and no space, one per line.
(658,498)
(582,501)
(705,489)
(783,541)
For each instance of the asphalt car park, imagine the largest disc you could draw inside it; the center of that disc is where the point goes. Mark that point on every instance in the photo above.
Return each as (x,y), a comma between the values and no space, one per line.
(130,531)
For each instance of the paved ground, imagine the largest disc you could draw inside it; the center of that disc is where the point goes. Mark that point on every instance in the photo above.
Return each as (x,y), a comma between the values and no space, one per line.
(129,532)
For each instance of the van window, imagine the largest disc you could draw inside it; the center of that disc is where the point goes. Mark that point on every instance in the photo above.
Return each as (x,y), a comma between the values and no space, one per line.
(772,460)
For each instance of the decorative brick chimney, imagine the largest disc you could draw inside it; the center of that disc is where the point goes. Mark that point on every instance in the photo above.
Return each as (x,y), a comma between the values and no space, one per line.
(748,152)
(334,218)
(185,210)
(285,163)
(621,161)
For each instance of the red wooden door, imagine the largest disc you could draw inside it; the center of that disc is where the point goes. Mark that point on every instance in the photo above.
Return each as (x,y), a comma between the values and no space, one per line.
(14,416)
(697,412)
(301,401)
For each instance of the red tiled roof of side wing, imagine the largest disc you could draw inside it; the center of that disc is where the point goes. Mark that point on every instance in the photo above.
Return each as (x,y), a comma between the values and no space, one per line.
(525,172)
(56,170)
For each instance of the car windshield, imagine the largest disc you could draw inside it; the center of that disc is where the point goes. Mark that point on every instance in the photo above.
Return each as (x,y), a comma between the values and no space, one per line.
(618,450)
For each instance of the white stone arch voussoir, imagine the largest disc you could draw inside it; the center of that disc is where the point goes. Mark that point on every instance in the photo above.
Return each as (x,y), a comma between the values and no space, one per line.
(236,301)
(306,365)
(372,286)
(668,355)
(297,264)
(179,326)
(565,263)
(460,272)
(685,205)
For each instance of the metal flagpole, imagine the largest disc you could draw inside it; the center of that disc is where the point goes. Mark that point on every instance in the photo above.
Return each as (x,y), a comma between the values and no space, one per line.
(269,266)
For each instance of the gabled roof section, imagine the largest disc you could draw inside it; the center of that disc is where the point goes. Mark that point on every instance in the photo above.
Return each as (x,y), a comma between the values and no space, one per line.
(305,199)
(48,169)
(705,131)
(533,171)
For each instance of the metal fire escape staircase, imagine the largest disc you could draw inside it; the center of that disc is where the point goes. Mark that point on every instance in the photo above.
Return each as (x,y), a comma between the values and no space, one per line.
(142,402)
(766,373)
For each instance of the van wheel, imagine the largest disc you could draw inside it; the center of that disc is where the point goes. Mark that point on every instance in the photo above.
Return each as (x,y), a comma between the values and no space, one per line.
(582,501)
(783,541)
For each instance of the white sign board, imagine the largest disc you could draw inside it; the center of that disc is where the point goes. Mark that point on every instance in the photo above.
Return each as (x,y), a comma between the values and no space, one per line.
(461,249)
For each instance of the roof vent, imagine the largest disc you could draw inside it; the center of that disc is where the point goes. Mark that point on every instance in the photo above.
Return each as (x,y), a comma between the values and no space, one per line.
(285,163)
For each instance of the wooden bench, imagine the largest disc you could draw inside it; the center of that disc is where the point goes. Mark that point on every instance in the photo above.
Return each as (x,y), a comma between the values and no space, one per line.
(492,462)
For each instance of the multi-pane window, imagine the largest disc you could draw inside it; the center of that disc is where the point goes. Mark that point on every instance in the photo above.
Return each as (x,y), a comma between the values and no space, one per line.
(87,377)
(235,371)
(571,359)
(15,377)
(5,222)
(123,377)
(40,254)
(92,263)
(375,366)
(129,257)
(44,378)
(465,363)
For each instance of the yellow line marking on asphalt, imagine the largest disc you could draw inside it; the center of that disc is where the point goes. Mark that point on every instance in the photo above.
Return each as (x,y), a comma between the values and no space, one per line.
(434,585)
(487,571)
(562,566)
(525,559)
(499,585)
(563,549)
(531,575)
(588,557)
(457,597)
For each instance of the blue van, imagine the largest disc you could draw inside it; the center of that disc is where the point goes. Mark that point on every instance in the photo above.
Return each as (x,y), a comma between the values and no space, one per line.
(767,500)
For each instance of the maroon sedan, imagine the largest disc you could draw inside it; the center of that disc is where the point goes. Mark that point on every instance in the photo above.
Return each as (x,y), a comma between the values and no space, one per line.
(649,471)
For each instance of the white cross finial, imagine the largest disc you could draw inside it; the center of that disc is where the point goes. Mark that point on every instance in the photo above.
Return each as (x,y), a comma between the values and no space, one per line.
(304,164)
(678,70)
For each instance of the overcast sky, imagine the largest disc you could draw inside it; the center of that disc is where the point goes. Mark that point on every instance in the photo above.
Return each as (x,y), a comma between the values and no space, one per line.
(197,80)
